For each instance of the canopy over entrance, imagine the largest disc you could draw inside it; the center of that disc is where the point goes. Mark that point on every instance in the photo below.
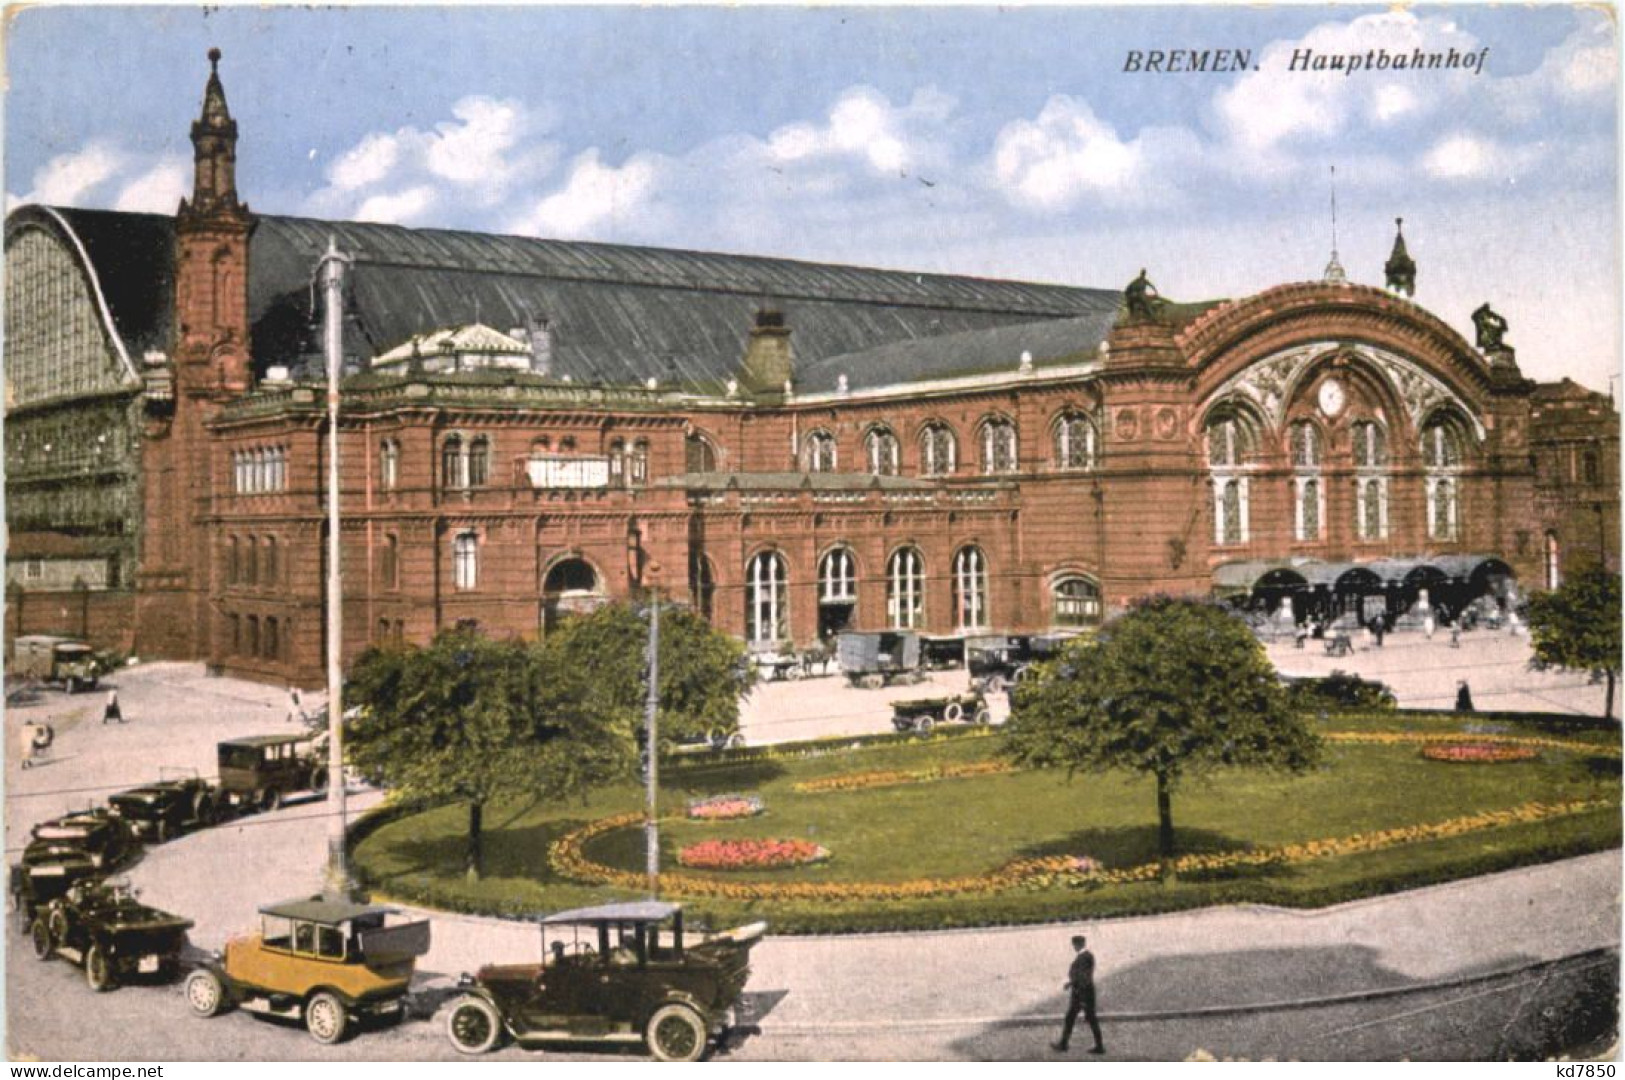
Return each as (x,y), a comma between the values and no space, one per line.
(1443,586)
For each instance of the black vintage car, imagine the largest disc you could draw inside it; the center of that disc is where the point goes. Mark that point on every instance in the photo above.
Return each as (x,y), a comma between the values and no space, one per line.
(32,885)
(619,973)
(162,811)
(998,660)
(95,834)
(103,927)
(256,772)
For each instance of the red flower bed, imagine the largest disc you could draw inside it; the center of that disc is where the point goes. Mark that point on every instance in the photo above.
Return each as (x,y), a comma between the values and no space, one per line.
(1478,752)
(750,854)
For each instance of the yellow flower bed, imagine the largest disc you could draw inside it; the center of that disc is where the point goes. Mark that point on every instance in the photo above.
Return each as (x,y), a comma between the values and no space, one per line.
(889,777)
(1400,738)
(1052,871)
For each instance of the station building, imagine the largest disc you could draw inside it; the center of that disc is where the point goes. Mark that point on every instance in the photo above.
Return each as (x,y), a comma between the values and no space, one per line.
(530,427)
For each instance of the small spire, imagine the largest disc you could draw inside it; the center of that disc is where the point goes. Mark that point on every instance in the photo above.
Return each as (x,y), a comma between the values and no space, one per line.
(1334,270)
(1400,267)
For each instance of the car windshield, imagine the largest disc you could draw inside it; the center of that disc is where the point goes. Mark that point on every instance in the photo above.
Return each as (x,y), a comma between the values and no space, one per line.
(239,757)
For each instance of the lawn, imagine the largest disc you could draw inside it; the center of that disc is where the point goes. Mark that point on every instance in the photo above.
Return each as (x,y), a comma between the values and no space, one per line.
(967,827)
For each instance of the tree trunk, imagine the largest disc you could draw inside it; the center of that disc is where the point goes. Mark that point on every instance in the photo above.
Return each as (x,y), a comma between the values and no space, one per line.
(1165,825)
(476,853)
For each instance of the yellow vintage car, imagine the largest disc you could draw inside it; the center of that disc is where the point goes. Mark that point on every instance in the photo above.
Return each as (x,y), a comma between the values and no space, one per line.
(327,962)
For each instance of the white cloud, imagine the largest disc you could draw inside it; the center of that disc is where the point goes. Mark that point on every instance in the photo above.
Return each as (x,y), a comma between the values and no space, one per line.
(487,151)
(159,189)
(1464,156)
(368,162)
(399,207)
(1065,155)
(865,126)
(594,197)
(69,178)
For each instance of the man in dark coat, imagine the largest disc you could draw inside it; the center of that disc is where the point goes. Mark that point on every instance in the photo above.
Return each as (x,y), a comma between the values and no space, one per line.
(1080,983)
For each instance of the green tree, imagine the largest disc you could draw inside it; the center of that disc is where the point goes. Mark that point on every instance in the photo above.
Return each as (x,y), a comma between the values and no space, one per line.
(1576,626)
(1174,688)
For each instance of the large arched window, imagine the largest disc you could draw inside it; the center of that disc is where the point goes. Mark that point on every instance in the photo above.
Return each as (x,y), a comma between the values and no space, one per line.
(465,551)
(1231,445)
(818,452)
(767,600)
(1076,441)
(617,462)
(1371,480)
(970,589)
(998,446)
(1307,501)
(699,455)
(389,464)
(1077,601)
(880,450)
(837,577)
(1443,454)
(638,466)
(938,449)
(905,589)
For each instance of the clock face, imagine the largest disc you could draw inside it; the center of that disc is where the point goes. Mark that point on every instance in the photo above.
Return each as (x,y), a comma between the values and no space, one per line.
(1331,397)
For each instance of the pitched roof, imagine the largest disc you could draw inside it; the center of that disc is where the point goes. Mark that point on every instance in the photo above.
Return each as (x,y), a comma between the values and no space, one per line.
(619,314)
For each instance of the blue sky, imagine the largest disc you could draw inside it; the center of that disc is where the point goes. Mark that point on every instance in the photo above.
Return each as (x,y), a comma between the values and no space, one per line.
(972,140)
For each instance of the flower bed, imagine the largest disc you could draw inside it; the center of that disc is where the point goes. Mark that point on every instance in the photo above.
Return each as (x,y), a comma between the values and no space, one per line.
(1424,738)
(1479,753)
(725,807)
(750,854)
(1065,871)
(889,777)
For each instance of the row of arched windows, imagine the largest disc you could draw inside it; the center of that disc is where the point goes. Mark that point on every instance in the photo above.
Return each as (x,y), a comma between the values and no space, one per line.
(253,560)
(259,638)
(1232,446)
(1076,599)
(465,461)
(1075,444)
(260,470)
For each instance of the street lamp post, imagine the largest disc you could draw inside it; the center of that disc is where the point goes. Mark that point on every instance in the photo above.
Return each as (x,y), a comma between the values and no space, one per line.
(651,707)
(330,269)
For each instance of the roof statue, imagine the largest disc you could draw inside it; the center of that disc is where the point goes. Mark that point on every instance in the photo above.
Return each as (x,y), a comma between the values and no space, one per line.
(1400,267)
(1142,299)
(1491,328)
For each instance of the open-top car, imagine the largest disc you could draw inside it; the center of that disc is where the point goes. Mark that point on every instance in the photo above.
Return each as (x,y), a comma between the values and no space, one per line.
(625,972)
(94,834)
(257,771)
(161,811)
(103,927)
(324,961)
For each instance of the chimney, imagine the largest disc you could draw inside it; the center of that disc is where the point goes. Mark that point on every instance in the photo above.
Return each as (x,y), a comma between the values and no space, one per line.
(769,360)
(539,332)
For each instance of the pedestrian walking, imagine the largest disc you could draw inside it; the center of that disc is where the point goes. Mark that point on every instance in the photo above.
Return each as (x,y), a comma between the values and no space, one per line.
(1080,984)
(296,708)
(1427,625)
(111,713)
(1455,636)
(1464,697)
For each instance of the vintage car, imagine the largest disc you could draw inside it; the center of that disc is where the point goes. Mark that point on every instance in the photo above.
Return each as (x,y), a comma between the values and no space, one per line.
(923,714)
(870,660)
(623,973)
(999,660)
(94,834)
(55,660)
(256,772)
(715,739)
(102,926)
(162,811)
(324,961)
(34,884)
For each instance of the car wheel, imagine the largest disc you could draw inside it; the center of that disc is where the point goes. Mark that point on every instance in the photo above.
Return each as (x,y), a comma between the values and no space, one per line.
(205,993)
(40,935)
(675,1033)
(73,688)
(57,924)
(271,801)
(954,712)
(203,809)
(162,832)
(98,970)
(473,1025)
(924,725)
(326,1018)
(318,783)
(736,741)
(982,717)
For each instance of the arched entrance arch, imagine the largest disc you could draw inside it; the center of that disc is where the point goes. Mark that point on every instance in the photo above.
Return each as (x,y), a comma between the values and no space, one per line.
(571,586)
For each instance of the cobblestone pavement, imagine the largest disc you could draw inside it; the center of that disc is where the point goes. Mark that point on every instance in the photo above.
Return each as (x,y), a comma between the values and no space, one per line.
(986,994)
